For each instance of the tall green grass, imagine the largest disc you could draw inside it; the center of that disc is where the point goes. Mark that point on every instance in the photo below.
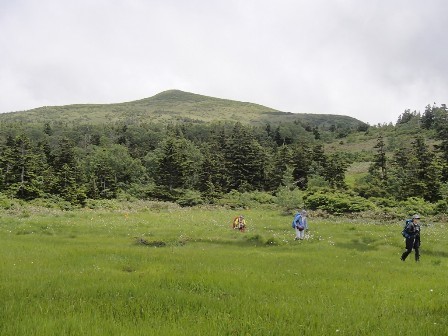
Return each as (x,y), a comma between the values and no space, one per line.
(186,272)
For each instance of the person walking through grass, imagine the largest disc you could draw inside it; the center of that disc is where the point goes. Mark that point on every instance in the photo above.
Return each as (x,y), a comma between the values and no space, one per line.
(411,232)
(300,224)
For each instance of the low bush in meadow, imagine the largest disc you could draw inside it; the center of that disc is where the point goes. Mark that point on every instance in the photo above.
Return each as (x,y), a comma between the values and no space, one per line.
(336,202)
(245,200)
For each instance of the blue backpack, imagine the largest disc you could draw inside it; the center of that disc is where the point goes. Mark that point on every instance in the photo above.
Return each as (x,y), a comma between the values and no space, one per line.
(404,232)
(296,219)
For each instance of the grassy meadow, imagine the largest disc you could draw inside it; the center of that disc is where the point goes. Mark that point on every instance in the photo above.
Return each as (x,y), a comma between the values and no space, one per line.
(173,271)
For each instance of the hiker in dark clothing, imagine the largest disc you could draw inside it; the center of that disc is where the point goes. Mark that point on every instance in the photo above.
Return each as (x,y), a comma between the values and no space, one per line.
(412,234)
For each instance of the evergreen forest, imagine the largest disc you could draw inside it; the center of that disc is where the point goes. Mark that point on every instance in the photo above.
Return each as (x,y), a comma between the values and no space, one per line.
(318,163)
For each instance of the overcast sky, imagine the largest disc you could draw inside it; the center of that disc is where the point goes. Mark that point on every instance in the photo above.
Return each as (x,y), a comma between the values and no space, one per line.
(367,59)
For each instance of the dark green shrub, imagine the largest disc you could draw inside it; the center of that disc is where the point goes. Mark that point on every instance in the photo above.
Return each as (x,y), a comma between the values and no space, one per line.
(255,239)
(260,197)
(336,202)
(441,207)
(289,199)
(5,202)
(414,205)
(236,199)
(52,202)
(383,202)
(272,242)
(189,198)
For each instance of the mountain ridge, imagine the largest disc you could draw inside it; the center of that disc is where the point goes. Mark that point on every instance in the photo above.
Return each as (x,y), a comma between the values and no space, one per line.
(172,106)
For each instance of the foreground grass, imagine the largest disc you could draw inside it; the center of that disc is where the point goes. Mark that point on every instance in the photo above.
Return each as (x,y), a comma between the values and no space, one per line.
(186,272)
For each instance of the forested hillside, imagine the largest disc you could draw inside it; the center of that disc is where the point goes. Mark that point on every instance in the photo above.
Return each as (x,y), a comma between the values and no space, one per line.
(77,156)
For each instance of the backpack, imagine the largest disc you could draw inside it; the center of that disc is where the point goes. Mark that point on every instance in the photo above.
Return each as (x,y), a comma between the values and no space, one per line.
(404,233)
(296,219)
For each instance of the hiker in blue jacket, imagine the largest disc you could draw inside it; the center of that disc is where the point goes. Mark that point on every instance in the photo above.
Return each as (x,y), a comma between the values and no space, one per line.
(300,224)
(412,234)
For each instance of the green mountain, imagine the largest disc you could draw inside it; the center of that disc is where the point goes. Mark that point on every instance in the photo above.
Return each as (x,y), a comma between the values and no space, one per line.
(173,106)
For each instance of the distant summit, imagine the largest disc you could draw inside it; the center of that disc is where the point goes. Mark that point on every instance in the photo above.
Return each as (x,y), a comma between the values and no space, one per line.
(172,106)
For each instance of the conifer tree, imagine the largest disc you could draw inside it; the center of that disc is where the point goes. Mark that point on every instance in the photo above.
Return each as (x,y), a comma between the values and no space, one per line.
(213,175)
(302,158)
(169,173)
(179,164)
(244,160)
(427,171)
(335,171)
(378,169)
(377,182)
(415,172)
(428,118)
(68,177)
(318,161)
(280,160)
(441,125)
(23,169)
(400,176)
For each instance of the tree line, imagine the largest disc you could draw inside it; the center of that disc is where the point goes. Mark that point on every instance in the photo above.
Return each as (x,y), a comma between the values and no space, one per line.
(201,162)
(417,167)
(158,161)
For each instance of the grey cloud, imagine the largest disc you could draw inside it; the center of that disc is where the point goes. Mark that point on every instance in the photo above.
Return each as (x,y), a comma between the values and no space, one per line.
(370,61)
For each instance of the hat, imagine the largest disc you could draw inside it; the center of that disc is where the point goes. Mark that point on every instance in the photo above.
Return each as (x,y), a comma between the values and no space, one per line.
(416,216)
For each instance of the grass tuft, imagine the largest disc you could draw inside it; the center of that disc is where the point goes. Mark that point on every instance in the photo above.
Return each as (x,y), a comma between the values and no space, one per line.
(152,243)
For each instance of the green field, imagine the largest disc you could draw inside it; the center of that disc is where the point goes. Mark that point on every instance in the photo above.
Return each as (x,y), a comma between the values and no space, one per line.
(186,272)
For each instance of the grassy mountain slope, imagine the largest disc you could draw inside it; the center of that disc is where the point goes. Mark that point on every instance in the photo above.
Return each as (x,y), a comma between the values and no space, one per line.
(172,106)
